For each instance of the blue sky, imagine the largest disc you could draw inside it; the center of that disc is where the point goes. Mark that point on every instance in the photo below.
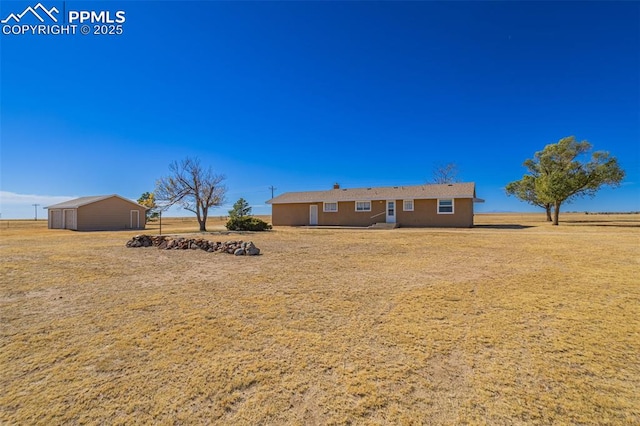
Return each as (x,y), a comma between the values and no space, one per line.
(300,95)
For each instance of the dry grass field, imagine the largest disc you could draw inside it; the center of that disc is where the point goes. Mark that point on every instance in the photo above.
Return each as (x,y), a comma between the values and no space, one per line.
(511,322)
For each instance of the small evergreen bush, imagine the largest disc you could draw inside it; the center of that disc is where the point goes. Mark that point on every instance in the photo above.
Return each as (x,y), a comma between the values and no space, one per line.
(247,223)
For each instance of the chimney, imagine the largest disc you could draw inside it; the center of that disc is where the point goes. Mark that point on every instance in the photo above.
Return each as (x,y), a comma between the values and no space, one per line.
(336,185)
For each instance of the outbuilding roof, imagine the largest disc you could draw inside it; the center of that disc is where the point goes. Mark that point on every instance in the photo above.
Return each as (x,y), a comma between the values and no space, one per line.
(452,190)
(83,201)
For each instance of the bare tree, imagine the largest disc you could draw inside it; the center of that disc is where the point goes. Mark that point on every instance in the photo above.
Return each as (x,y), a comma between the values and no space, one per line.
(191,187)
(445,173)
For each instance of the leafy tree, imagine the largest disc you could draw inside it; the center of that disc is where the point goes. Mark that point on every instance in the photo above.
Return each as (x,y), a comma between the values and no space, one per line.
(148,200)
(444,173)
(240,209)
(563,172)
(192,187)
(525,189)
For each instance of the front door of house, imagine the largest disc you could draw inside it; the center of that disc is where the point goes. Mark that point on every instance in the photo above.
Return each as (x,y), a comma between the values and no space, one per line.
(313,214)
(391,211)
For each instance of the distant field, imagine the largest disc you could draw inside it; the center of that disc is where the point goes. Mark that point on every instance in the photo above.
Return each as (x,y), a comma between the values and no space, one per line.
(511,322)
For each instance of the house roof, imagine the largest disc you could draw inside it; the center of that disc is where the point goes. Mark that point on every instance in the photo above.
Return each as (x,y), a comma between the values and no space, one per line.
(83,201)
(454,190)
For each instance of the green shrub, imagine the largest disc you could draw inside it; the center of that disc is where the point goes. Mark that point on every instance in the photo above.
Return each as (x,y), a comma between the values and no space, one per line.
(240,209)
(247,223)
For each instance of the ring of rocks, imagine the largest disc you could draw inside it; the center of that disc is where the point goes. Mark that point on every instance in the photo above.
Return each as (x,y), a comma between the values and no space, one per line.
(165,242)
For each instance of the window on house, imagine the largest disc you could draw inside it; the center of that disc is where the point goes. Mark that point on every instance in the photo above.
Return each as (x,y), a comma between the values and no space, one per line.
(407,205)
(363,206)
(445,206)
(330,207)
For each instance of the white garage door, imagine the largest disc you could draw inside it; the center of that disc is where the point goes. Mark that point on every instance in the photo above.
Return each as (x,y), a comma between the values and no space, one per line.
(56,219)
(69,219)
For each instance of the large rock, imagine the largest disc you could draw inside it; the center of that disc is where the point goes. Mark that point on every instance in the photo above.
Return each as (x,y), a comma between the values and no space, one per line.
(251,249)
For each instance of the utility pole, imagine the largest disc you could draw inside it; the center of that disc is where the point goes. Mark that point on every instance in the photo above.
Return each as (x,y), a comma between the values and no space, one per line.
(35,206)
(272,188)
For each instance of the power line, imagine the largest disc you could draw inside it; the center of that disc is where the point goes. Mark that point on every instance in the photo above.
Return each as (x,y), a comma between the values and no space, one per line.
(272,188)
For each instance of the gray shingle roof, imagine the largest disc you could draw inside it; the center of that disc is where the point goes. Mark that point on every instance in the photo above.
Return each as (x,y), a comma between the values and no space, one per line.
(455,190)
(82,201)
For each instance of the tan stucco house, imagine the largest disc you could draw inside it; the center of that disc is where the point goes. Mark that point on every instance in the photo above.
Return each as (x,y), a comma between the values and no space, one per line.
(446,205)
(97,213)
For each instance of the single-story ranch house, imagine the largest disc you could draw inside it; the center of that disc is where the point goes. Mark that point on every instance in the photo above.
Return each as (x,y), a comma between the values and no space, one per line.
(443,205)
(97,213)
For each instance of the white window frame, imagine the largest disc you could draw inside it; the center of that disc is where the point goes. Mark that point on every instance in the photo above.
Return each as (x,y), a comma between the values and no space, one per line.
(453,205)
(365,203)
(327,210)
(404,205)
